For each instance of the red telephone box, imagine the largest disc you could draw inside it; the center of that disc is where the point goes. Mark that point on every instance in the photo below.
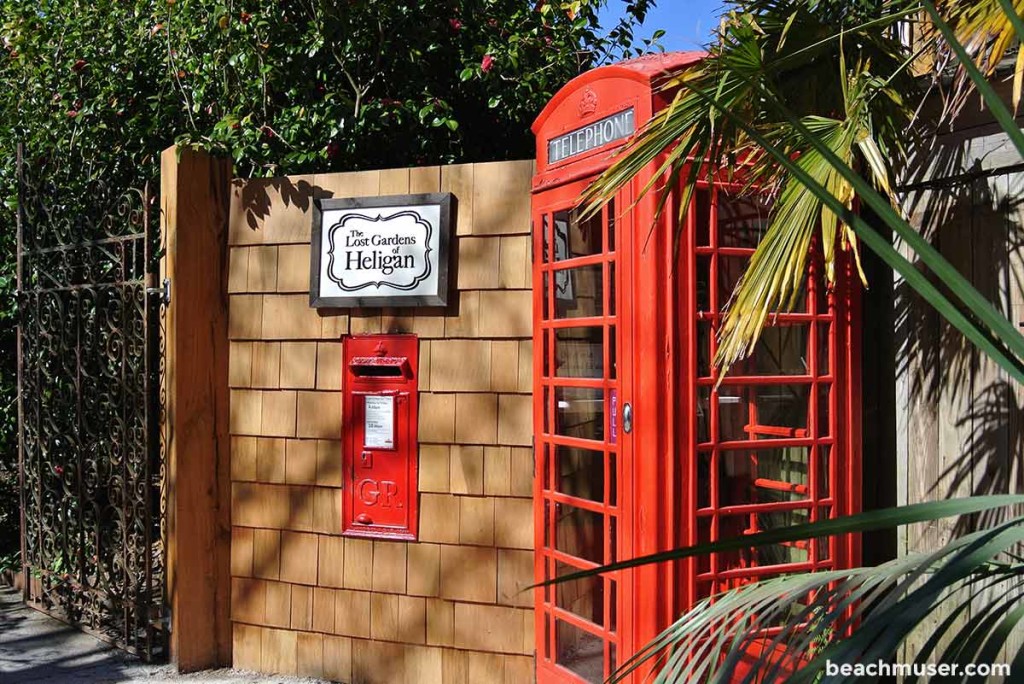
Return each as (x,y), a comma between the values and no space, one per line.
(636,450)
(379,453)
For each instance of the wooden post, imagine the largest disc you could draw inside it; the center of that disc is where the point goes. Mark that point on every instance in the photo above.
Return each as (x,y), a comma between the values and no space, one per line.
(195,194)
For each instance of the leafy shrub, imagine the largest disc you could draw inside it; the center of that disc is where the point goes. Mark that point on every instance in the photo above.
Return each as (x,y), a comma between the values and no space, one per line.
(282,86)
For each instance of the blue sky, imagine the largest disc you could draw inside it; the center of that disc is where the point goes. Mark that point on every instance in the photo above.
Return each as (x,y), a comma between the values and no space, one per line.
(687,23)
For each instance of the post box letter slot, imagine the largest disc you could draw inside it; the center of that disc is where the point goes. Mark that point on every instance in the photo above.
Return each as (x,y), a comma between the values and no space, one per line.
(380,367)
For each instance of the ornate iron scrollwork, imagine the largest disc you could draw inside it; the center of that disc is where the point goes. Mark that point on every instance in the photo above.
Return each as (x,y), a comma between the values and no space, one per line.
(90,393)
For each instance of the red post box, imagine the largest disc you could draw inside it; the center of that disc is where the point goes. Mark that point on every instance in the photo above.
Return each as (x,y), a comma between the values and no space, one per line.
(379,449)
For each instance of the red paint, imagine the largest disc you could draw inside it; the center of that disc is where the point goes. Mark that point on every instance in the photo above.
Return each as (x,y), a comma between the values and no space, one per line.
(379,495)
(759,460)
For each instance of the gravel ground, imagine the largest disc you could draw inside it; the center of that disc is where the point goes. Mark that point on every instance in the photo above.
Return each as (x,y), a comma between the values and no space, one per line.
(37,648)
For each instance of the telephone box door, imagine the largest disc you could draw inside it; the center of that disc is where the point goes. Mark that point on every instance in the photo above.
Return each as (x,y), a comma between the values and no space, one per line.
(582,483)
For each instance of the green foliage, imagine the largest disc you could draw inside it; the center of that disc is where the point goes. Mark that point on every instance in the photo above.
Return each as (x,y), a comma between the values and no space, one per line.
(858,615)
(96,90)
(841,69)
(293,86)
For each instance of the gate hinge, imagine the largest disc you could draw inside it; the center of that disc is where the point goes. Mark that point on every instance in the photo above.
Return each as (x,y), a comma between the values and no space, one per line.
(164,291)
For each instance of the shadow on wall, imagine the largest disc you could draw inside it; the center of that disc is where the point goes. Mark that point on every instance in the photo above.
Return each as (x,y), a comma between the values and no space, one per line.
(256,200)
(350,611)
(360,669)
(970,413)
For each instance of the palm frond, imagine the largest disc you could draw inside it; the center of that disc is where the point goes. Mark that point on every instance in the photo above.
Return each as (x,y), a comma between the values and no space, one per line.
(799,622)
(790,49)
(979,79)
(867,521)
(987,30)
(986,328)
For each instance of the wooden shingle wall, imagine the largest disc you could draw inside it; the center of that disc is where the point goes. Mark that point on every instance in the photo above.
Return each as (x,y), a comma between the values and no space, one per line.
(306,600)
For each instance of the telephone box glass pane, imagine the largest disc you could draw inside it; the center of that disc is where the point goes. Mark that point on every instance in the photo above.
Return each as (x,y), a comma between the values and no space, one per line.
(613,539)
(731,526)
(579,652)
(763,412)
(579,352)
(703,415)
(613,481)
(824,471)
(579,292)
(611,225)
(703,537)
(781,350)
(545,237)
(580,473)
(704,332)
(703,281)
(545,293)
(579,412)
(612,347)
(611,288)
(703,218)
(582,597)
(824,335)
(763,476)
(731,270)
(575,238)
(547,410)
(825,299)
(613,617)
(824,411)
(579,532)
(742,221)
(823,548)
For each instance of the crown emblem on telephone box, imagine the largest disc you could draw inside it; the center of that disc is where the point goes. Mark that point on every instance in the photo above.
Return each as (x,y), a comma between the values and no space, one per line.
(588,103)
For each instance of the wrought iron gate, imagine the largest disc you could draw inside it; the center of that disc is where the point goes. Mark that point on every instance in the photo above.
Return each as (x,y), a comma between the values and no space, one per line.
(89,372)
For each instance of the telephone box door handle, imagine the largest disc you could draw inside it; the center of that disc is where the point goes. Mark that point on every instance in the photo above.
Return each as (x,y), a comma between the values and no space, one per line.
(627,418)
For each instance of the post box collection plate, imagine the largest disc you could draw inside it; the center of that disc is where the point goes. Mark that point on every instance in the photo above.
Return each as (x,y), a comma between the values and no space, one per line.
(379,445)
(379,422)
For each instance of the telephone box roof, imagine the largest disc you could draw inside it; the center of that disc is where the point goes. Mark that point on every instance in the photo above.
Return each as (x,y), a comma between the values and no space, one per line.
(642,69)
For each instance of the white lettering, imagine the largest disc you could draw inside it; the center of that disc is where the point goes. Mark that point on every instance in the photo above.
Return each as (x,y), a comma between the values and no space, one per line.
(592,136)
(882,668)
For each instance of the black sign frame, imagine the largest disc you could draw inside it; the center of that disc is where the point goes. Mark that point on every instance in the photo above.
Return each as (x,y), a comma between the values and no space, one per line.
(447,205)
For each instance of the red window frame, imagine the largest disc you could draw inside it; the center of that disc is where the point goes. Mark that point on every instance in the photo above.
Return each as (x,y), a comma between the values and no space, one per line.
(830,488)
(549,502)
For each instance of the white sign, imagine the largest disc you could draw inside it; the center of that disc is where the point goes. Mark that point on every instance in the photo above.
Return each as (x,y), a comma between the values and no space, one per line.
(382,251)
(379,422)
